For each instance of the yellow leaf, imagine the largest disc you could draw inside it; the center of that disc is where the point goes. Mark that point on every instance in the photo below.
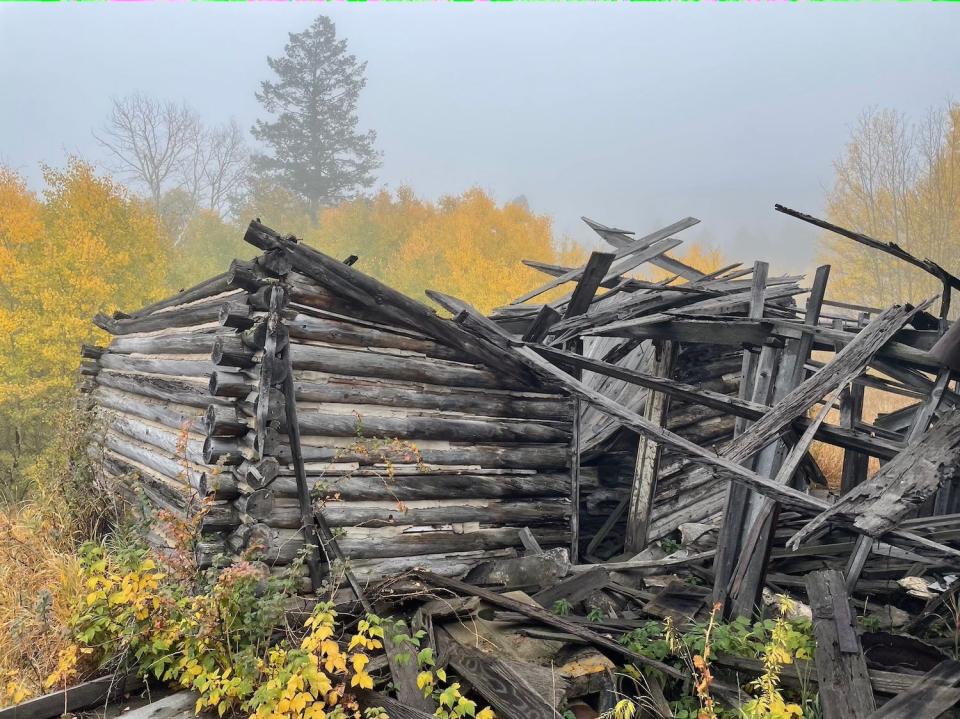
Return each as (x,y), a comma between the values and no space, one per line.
(424,679)
(359,662)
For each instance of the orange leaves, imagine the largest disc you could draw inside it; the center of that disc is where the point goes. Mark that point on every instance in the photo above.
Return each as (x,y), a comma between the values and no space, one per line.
(466,245)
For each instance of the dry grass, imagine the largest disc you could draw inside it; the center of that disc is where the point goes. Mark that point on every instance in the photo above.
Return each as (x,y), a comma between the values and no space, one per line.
(39,582)
(39,570)
(830,458)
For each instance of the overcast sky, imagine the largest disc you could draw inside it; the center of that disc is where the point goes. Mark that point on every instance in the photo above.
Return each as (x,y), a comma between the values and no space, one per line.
(633,114)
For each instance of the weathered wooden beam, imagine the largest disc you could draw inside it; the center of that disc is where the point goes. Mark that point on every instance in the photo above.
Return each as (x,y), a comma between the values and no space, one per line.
(369,292)
(878,506)
(546,317)
(759,520)
(756,382)
(644,485)
(889,248)
(208,288)
(634,248)
(936,691)
(843,681)
(621,239)
(594,274)
(738,407)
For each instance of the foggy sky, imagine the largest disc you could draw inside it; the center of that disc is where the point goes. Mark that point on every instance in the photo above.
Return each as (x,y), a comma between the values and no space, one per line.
(634,115)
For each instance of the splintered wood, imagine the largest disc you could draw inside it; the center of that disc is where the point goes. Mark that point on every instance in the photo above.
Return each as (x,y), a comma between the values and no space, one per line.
(622,447)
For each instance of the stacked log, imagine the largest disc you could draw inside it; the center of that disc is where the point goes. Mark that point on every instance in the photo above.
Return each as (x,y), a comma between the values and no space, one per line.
(411,448)
(413,451)
(150,390)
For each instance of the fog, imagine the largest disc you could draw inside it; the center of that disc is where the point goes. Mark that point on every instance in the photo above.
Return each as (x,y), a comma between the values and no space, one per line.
(634,115)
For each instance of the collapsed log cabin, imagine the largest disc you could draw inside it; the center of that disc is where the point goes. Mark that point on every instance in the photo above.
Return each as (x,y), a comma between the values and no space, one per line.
(294,398)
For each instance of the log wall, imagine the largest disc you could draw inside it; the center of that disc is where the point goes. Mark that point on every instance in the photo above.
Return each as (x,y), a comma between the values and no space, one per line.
(413,451)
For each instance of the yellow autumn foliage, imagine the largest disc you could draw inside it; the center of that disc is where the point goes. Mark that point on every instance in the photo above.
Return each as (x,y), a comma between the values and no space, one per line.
(465,245)
(83,246)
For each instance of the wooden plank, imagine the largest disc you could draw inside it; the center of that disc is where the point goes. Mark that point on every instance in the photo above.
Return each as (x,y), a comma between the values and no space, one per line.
(935,692)
(644,486)
(855,464)
(507,691)
(404,672)
(738,407)
(395,709)
(575,588)
(759,520)
(540,327)
(593,275)
(843,681)
(176,706)
(557,270)
(634,248)
(545,617)
(921,421)
(756,377)
(801,674)
(81,696)
(889,248)
(622,265)
(841,370)
(877,506)
(621,238)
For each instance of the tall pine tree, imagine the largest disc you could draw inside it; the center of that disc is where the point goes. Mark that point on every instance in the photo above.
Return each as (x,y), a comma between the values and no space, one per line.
(314,146)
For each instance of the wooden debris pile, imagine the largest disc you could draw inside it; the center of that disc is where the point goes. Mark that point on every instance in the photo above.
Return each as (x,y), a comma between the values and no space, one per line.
(559,450)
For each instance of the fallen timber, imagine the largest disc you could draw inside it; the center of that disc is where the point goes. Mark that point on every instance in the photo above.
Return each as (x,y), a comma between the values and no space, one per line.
(305,409)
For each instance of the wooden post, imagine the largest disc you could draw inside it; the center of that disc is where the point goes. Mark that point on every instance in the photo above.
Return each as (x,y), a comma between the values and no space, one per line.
(735,507)
(644,484)
(844,685)
(855,464)
(755,541)
(593,274)
(575,483)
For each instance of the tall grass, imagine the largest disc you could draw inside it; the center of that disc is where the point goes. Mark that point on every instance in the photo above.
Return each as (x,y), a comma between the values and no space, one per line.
(39,570)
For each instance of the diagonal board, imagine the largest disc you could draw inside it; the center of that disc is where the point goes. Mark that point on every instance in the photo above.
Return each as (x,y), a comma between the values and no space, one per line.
(369,292)
(621,238)
(636,246)
(626,264)
(845,367)
(469,317)
(899,486)
(890,248)
(595,273)
(935,693)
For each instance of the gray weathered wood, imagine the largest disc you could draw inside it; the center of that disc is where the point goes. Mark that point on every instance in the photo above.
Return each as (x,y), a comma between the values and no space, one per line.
(877,506)
(935,692)
(843,682)
(634,248)
(644,486)
(507,690)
